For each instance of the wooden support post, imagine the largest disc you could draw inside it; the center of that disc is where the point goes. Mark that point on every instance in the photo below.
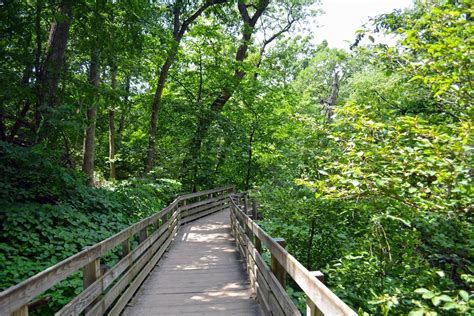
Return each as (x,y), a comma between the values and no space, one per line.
(22,311)
(143,234)
(277,268)
(246,203)
(126,247)
(90,273)
(185,202)
(258,245)
(311,308)
(254,210)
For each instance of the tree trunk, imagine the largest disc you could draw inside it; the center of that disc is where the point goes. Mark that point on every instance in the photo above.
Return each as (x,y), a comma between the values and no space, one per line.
(333,98)
(205,121)
(91,115)
(310,243)
(155,107)
(249,160)
(113,174)
(121,125)
(179,29)
(52,65)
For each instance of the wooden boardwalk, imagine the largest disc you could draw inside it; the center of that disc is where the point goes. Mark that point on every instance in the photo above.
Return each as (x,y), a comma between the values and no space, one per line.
(202,274)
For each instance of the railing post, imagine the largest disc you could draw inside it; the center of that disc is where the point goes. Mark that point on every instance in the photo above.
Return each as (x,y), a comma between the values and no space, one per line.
(90,273)
(126,247)
(311,308)
(254,210)
(143,234)
(258,245)
(246,203)
(22,311)
(277,268)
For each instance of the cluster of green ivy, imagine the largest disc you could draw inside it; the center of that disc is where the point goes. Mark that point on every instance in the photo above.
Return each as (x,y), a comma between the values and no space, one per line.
(48,213)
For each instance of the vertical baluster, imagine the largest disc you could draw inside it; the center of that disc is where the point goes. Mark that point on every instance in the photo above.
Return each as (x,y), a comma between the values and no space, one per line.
(277,268)
(311,308)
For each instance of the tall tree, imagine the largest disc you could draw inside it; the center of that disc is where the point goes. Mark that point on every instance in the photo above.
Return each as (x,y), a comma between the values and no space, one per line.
(180,26)
(94,81)
(52,64)
(205,121)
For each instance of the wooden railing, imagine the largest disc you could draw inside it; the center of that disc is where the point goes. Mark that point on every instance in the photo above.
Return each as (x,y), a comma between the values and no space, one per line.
(269,282)
(109,291)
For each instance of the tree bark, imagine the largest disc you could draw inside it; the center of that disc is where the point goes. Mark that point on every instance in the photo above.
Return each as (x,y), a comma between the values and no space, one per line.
(52,65)
(249,160)
(121,125)
(113,174)
(310,243)
(91,113)
(333,98)
(91,116)
(179,29)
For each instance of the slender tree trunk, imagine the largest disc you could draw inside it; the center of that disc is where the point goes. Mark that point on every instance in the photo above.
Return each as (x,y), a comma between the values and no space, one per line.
(53,63)
(249,160)
(155,108)
(113,174)
(91,116)
(310,243)
(25,104)
(333,98)
(3,136)
(121,125)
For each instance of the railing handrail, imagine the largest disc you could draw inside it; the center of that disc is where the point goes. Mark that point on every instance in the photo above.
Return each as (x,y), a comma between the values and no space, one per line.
(22,293)
(324,299)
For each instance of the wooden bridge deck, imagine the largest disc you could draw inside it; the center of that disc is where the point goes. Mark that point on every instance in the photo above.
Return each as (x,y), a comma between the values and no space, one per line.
(201,274)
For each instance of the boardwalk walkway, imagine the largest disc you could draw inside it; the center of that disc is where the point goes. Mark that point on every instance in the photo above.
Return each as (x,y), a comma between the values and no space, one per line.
(202,274)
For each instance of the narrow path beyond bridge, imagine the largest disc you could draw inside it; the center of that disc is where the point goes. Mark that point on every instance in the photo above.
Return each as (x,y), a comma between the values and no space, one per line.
(202,274)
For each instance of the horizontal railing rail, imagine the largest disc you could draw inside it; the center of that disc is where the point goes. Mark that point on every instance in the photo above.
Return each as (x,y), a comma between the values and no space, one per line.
(109,291)
(269,282)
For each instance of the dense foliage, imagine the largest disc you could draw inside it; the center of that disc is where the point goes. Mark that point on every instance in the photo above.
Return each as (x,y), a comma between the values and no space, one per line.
(361,160)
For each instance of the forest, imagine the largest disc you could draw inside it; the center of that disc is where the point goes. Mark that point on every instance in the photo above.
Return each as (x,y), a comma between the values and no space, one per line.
(361,159)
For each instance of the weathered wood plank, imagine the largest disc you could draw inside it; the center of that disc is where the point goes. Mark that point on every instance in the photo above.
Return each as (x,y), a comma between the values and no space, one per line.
(86,297)
(133,287)
(115,291)
(204,207)
(202,214)
(202,202)
(223,190)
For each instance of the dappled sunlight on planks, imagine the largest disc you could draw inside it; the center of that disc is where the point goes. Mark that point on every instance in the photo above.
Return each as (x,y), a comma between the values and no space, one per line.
(201,274)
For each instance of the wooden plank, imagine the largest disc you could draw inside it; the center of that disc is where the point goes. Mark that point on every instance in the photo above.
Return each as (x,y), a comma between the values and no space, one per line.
(203,207)
(22,311)
(262,294)
(115,291)
(127,295)
(202,214)
(324,298)
(223,190)
(86,297)
(277,268)
(200,203)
